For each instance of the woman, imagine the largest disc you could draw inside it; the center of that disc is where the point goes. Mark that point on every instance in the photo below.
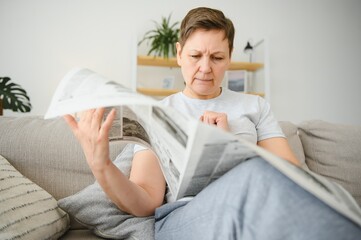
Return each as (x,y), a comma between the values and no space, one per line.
(219,211)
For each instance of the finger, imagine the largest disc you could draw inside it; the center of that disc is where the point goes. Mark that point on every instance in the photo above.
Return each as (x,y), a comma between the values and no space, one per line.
(99,114)
(108,122)
(87,116)
(97,119)
(209,120)
(81,115)
(72,123)
(221,118)
(206,119)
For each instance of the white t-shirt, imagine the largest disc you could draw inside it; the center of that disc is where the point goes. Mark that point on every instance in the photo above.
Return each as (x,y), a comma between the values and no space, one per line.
(249,116)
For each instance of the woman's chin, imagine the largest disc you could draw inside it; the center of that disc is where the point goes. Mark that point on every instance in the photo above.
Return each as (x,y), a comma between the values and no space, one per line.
(206,92)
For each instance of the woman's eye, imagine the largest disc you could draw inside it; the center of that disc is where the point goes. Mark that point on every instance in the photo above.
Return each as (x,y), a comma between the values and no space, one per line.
(218,58)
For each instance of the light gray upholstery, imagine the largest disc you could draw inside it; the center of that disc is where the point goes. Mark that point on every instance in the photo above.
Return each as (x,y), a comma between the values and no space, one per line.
(95,210)
(334,151)
(46,152)
(291,132)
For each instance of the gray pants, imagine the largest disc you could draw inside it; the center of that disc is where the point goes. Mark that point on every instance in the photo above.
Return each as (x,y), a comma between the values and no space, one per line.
(252,201)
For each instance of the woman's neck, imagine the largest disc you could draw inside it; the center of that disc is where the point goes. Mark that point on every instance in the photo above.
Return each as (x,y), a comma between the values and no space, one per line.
(191,94)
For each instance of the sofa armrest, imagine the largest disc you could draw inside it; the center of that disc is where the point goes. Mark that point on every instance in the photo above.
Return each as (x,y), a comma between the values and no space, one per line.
(291,132)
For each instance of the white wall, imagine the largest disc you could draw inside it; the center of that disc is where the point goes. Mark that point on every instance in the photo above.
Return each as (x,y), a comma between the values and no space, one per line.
(315,47)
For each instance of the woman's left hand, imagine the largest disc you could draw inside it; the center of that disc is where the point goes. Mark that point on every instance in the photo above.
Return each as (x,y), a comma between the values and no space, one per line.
(215,118)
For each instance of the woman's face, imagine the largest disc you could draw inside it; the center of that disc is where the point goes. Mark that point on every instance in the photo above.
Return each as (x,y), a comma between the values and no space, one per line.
(204,59)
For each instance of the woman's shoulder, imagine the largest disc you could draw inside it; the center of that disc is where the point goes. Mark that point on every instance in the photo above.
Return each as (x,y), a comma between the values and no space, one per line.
(171,99)
(240,96)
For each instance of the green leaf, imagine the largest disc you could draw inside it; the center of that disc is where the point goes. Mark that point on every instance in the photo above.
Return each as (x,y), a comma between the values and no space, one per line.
(14,97)
(163,38)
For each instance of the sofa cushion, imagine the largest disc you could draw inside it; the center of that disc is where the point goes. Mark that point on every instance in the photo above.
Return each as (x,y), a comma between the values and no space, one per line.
(334,151)
(92,208)
(26,210)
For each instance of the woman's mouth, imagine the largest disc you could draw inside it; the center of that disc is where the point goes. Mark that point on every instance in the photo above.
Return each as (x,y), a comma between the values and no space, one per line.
(203,79)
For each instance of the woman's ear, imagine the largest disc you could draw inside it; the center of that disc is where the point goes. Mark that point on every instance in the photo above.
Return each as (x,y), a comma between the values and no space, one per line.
(179,52)
(230,57)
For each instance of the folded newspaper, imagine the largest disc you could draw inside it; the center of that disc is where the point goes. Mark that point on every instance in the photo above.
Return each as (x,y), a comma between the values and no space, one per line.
(191,154)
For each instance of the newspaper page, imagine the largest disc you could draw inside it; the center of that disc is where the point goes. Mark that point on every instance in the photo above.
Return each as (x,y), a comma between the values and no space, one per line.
(170,135)
(221,151)
(191,154)
(83,89)
(139,119)
(218,153)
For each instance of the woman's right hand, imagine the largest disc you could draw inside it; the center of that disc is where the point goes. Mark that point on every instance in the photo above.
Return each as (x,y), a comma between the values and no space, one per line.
(215,118)
(92,134)
(144,191)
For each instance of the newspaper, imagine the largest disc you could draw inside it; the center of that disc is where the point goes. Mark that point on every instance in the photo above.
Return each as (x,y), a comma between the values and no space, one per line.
(191,154)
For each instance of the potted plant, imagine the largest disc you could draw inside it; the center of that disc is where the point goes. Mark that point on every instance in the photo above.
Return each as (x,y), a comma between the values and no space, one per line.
(13,96)
(163,38)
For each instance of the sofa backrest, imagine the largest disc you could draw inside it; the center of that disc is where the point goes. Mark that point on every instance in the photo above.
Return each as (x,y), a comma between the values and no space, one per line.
(47,152)
(334,151)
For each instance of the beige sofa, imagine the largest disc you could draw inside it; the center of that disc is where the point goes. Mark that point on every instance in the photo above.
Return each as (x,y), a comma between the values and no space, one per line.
(46,152)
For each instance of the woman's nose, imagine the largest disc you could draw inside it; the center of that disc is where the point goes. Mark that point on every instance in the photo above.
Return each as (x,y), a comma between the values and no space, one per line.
(205,65)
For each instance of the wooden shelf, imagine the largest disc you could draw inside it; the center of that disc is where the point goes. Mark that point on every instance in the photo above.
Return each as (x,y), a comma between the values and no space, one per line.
(157,61)
(156,91)
(245,66)
(167,92)
(261,94)
(172,62)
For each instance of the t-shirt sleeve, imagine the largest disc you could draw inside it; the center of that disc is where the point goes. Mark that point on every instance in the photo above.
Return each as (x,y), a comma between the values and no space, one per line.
(267,126)
(138,148)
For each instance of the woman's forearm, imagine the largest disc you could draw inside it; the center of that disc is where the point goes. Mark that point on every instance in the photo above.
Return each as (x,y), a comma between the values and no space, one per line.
(128,196)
